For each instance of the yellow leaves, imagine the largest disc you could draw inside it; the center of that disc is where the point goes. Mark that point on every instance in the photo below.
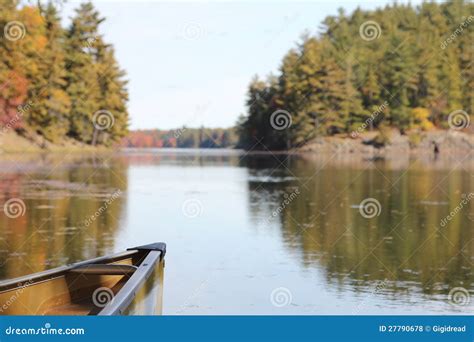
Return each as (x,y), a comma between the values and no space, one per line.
(420,118)
(60,101)
(31,17)
(35,28)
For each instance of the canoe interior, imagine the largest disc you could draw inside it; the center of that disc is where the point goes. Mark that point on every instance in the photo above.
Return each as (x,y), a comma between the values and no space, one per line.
(68,292)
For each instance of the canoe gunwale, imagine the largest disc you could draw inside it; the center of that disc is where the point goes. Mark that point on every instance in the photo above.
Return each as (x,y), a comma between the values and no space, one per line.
(127,293)
(105,269)
(7,285)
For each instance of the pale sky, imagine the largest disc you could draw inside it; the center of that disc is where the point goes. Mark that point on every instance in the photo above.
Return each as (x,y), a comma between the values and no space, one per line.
(189,63)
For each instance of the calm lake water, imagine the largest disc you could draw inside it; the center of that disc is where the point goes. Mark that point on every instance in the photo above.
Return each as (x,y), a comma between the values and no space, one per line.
(255,234)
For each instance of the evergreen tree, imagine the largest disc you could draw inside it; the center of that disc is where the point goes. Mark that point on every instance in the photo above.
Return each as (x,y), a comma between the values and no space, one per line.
(341,79)
(49,114)
(82,74)
(53,81)
(113,95)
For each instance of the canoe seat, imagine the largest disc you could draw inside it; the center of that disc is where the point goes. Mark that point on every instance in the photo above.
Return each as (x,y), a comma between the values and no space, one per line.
(105,269)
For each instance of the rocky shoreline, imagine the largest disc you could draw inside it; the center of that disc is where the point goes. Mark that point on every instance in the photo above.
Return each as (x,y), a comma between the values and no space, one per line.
(440,142)
(433,143)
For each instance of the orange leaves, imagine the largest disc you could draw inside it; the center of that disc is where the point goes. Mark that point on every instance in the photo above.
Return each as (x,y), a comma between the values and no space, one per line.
(13,87)
(31,17)
(35,38)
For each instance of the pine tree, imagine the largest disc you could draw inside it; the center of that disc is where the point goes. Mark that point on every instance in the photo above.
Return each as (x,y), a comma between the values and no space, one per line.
(82,78)
(49,114)
(113,95)
(52,82)
(336,81)
(399,80)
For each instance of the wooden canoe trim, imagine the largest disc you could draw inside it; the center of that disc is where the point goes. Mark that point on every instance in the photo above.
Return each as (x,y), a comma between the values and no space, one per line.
(127,293)
(105,269)
(61,271)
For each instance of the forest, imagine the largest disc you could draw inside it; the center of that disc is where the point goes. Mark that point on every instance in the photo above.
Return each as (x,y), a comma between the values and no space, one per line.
(59,82)
(182,138)
(398,67)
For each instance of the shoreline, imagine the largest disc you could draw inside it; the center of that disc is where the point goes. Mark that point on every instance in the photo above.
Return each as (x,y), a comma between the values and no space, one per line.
(14,143)
(438,143)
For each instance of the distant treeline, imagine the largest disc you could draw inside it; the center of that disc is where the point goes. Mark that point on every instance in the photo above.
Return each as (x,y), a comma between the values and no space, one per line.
(182,138)
(400,66)
(59,82)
